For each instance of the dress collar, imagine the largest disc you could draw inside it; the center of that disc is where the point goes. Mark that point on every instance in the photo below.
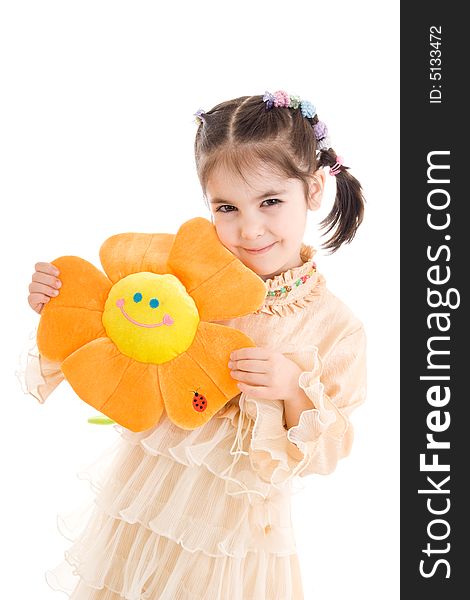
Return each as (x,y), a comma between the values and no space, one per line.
(292,290)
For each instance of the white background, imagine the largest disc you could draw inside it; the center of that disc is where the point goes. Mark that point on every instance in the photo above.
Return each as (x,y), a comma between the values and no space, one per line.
(97,138)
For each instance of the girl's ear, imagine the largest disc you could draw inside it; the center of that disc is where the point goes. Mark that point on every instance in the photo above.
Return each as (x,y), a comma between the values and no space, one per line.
(316,187)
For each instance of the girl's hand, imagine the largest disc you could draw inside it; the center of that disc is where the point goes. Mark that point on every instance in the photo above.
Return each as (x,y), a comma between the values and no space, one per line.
(263,373)
(44,285)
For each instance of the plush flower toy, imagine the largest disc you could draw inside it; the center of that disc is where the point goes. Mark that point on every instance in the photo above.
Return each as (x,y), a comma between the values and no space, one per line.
(139,339)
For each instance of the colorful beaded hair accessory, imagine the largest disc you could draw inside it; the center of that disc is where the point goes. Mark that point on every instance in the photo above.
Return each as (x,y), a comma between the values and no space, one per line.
(336,168)
(282,99)
(198,116)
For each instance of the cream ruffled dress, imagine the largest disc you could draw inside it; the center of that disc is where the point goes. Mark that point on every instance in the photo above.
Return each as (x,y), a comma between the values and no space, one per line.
(205,514)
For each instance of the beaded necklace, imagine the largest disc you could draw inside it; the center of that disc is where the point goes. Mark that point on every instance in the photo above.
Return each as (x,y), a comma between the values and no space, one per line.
(300,281)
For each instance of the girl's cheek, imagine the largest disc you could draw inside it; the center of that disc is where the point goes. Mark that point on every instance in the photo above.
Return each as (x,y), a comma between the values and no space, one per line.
(224,233)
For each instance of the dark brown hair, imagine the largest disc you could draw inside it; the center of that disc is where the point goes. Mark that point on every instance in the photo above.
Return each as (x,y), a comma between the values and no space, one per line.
(239,133)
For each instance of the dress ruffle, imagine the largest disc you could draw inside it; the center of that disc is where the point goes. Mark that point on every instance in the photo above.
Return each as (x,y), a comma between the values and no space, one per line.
(299,296)
(38,375)
(163,525)
(312,446)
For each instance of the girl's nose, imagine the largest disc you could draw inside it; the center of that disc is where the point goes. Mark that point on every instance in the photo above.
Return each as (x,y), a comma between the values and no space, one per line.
(251,229)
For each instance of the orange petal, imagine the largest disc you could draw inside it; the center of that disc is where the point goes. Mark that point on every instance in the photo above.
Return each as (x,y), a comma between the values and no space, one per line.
(127,253)
(123,389)
(202,369)
(73,318)
(220,284)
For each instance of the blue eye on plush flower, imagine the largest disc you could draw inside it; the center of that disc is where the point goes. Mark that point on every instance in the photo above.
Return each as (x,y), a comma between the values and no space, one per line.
(154,303)
(137,297)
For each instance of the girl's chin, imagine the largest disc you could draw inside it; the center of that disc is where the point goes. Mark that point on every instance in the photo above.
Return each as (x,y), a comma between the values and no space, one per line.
(266,264)
(266,271)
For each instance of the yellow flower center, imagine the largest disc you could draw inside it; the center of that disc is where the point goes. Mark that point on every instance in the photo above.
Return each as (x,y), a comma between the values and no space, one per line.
(150,317)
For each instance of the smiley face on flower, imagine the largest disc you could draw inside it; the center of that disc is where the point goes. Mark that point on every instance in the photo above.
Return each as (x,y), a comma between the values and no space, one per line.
(138,340)
(153,324)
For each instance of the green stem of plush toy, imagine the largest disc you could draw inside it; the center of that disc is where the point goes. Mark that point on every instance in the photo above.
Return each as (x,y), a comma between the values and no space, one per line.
(101,421)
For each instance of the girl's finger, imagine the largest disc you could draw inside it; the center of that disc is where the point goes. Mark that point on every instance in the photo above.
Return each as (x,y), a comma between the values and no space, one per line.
(41,288)
(250,378)
(48,268)
(38,299)
(251,353)
(37,302)
(47,279)
(253,366)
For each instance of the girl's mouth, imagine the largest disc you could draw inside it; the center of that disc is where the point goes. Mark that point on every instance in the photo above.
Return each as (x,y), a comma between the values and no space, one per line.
(260,250)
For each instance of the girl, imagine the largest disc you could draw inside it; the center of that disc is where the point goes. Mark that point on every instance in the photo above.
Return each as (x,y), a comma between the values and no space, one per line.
(205,514)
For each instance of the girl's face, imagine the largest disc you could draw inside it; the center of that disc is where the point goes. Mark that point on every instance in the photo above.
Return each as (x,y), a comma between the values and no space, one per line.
(261,221)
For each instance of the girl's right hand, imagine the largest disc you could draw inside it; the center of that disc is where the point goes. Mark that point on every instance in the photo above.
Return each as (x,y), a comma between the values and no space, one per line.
(44,285)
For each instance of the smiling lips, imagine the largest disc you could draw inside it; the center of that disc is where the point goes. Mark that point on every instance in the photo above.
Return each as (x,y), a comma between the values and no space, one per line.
(259,250)
(167,320)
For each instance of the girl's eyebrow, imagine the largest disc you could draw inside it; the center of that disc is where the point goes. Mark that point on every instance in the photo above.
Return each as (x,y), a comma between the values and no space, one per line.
(264,195)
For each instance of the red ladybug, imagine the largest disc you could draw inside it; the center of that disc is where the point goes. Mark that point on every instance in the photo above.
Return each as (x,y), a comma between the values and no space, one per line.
(199,402)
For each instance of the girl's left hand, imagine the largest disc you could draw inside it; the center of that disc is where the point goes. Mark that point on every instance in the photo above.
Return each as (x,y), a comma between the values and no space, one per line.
(263,373)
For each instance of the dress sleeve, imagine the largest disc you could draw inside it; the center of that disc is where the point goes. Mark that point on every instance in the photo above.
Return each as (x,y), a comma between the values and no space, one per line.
(336,386)
(38,376)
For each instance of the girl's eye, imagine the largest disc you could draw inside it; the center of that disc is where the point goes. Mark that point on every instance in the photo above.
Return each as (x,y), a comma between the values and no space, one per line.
(229,208)
(273,201)
(225,206)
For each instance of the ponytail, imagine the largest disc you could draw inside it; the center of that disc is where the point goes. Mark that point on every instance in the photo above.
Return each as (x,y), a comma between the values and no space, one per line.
(348,209)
